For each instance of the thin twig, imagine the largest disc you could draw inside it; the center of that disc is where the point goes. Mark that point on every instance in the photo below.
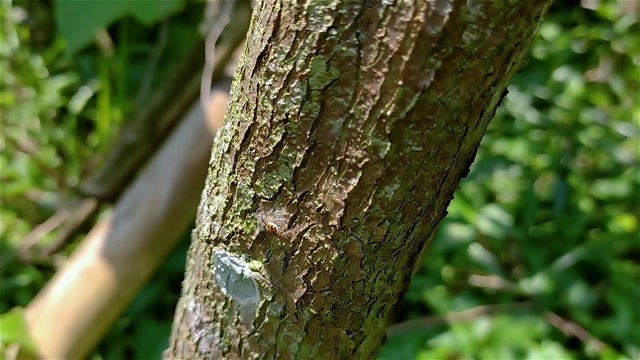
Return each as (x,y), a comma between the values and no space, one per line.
(210,53)
(78,218)
(144,134)
(493,282)
(41,230)
(105,43)
(566,326)
(456,317)
(69,222)
(31,149)
(570,328)
(154,59)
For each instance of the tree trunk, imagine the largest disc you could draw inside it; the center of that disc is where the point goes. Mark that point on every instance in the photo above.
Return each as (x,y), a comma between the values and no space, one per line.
(349,128)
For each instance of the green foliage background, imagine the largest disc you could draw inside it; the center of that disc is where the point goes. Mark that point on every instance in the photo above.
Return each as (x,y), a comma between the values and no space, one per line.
(544,229)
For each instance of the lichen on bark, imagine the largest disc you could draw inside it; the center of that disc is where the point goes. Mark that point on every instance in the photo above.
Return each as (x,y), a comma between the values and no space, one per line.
(349,128)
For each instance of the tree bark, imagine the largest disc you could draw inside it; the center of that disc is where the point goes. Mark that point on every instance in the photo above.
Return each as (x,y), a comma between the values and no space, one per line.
(350,126)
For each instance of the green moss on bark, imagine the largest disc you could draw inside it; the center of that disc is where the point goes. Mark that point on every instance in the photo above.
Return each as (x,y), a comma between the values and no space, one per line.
(349,129)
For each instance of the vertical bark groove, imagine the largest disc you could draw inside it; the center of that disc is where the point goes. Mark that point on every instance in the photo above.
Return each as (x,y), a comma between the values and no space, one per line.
(349,129)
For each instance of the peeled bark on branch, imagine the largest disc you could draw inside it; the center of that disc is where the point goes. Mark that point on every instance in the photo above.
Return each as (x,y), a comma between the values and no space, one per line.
(350,126)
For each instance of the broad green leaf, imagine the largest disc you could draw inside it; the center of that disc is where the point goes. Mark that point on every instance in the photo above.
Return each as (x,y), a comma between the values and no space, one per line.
(78,21)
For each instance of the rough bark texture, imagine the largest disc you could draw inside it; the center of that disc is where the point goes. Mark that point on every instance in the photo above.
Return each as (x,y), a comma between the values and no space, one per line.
(349,129)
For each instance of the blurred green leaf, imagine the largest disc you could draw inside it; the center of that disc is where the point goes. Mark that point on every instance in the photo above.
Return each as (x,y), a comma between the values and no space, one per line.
(14,331)
(494,221)
(79,21)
